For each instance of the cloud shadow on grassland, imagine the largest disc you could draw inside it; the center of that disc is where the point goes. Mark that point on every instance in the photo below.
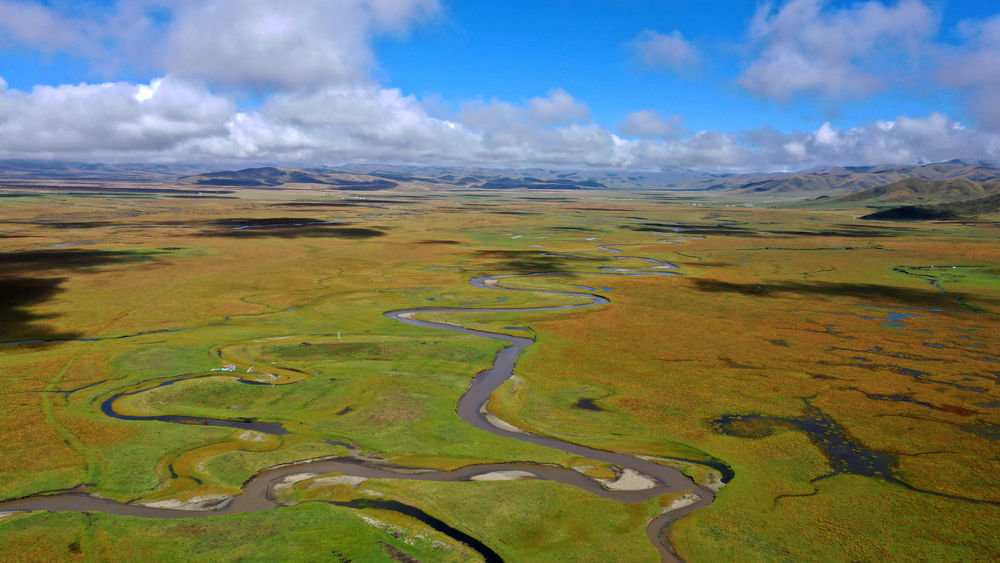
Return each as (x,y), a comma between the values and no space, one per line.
(17,297)
(287,227)
(21,288)
(40,260)
(864,291)
(845,231)
(522,261)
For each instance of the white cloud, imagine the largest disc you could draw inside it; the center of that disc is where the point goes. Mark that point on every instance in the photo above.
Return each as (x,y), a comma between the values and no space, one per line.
(287,45)
(905,140)
(837,53)
(108,117)
(974,69)
(558,108)
(312,60)
(233,43)
(170,118)
(41,27)
(649,123)
(657,50)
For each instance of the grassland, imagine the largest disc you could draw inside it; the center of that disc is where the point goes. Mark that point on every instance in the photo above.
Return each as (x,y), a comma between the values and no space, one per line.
(882,335)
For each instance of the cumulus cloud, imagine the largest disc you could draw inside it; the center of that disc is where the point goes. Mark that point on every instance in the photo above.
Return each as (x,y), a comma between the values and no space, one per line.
(649,123)
(905,140)
(837,53)
(657,50)
(108,118)
(170,118)
(558,108)
(290,44)
(311,61)
(231,43)
(41,27)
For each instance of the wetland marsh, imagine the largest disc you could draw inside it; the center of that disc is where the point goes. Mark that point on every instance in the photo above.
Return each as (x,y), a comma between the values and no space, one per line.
(511,377)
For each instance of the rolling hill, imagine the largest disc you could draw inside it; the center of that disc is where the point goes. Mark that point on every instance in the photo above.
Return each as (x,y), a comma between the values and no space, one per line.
(840,180)
(916,191)
(955,210)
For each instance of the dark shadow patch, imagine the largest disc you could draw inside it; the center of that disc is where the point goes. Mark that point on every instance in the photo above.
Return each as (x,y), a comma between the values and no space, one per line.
(437,242)
(912,213)
(868,292)
(74,224)
(298,231)
(263,222)
(21,288)
(587,404)
(703,230)
(524,261)
(726,229)
(718,286)
(38,260)
(18,295)
(488,554)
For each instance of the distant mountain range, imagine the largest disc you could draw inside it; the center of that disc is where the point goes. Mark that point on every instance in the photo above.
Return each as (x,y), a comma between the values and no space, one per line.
(839,180)
(85,171)
(830,182)
(272,177)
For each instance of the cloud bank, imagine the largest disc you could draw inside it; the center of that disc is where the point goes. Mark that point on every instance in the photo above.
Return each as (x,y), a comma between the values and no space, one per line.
(311,64)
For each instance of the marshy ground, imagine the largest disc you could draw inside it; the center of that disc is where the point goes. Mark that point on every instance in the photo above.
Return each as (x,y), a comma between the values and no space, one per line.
(843,376)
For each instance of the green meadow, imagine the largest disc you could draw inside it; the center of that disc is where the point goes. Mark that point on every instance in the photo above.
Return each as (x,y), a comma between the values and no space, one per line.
(781,334)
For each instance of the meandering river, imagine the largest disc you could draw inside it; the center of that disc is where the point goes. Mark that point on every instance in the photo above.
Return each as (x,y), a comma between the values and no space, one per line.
(639,479)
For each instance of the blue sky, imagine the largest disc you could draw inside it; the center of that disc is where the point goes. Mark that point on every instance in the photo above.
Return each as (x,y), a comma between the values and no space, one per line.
(719,85)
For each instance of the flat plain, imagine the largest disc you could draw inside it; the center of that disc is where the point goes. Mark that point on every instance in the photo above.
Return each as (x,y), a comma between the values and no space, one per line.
(835,380)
